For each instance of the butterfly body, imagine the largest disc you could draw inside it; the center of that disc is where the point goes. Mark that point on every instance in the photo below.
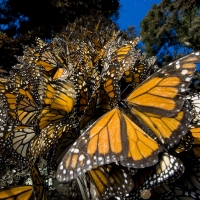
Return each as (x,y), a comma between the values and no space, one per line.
(159,102)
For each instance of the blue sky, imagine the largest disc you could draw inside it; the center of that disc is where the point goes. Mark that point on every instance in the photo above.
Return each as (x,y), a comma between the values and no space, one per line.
(133,11)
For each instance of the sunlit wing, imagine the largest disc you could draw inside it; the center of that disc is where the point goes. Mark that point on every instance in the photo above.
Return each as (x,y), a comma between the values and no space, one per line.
(195,130)
(17,193)
(114,137)
(159,100)
(168,130)
(60,95)
(115,65)
(163,93)
(48,116)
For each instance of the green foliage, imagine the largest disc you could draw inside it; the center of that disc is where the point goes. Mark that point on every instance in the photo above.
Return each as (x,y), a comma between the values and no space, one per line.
(130,33)
(171,28)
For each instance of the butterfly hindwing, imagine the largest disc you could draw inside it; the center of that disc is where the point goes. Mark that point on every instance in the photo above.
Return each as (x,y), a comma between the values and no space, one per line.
(111,180)
(167,170)
(168,130)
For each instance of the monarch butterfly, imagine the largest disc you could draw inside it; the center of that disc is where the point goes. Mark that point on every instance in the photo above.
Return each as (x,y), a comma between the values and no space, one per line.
(187,187)
(195,130)
(196,148)
(89,111)
(137,72)
(47,56)
(5,149)
(158,102)
(167,170)
(185,193)
(195,102)
(38,185)
(105,182)
(11,99)
(20,138)
(48,137)
(142,70)
(64,97)
(98,104)
(83,92)
(59,95)
(102,50)
(164,192)
(63,144)
(44,56)
(186,143)
(116,64)
(3,111)
(93,93)
(195,133)
(61,73)
(52,124)
(26,108)
(17,193)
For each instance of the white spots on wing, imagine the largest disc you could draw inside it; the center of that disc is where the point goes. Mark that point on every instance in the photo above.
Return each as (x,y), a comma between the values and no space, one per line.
(76,150)
(185,71)
(74,143)
(188,79)
(178,65)
(71,172)
(81,157)
(88,162)
(100,158)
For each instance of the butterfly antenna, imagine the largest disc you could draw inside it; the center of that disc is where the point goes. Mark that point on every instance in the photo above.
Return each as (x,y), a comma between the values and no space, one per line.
(126,89)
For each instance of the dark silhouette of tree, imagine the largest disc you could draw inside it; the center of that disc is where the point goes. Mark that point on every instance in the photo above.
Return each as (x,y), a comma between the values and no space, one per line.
(22,21)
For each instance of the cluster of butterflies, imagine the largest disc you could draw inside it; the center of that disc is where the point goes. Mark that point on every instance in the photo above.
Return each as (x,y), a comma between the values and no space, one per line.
(94,108)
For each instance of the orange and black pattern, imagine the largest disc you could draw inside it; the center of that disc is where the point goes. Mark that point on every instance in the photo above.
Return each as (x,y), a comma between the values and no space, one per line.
(88,108)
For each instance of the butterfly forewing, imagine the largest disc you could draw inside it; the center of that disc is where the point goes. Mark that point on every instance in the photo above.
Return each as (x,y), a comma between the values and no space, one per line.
(21,192)
(114,137)
(168,130)
(163,93)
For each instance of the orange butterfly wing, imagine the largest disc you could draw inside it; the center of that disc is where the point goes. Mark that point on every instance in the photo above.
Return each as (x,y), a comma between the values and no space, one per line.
(21,192)
(164,92)
(159,100)
(114,137)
